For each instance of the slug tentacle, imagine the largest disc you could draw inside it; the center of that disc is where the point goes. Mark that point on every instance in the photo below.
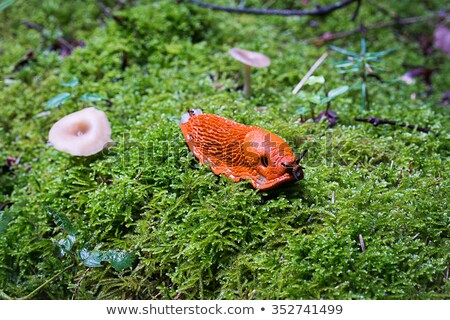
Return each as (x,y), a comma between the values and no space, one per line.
(240,151)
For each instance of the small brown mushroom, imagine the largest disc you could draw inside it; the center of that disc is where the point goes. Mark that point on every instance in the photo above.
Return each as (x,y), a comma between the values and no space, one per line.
(249,59)
(82,133)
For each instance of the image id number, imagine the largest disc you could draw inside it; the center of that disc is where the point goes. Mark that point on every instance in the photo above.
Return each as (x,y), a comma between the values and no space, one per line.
(306,309)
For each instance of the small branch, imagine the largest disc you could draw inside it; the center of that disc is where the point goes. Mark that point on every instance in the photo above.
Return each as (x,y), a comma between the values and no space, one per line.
(124,63)
(63,43)
(356,12)
(375,121)
(4,296)
(108,13)
(247,82)
(178,295)
(328,36)
(34,26)
(310,72)
(5,205)
(319,11)
(75,292)
(361,243)
(30,57)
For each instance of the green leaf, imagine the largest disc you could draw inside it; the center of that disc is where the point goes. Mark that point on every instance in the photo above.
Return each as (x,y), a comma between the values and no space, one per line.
(333,94)
(58,100)
(5,4)
(120,259)
(92,97)
(314,98)
(311,97)
(314,80)
(374,55)
(363,96)
(66,244)
(62,221)
(344,63)
(338,91)
(5,218)
(343,51)
(363,47)
(302,110)
(72,83)
(92,259)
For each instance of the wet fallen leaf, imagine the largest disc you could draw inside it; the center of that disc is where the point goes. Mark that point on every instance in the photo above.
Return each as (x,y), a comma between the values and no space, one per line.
(30,57)
(426,44)
(330,115)
(5,205)
(442,38)
(445,99)
(10,161)
(425,73)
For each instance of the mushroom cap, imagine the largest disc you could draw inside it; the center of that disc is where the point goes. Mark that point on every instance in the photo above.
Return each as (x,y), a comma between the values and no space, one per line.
(250,58)
(82,133)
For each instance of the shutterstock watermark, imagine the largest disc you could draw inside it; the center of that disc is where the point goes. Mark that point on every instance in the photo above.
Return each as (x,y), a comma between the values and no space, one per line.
(324,149)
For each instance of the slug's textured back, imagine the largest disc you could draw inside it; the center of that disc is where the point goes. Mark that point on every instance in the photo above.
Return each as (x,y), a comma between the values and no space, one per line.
(239,151)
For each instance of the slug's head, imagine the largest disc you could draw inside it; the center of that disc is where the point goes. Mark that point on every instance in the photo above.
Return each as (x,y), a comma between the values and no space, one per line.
(272,159)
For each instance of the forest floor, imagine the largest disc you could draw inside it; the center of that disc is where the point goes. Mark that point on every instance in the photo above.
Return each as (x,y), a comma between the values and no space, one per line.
(145,220)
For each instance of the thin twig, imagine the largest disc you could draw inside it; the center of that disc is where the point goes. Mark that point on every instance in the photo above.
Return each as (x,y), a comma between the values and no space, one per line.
(362,29)
(382,9)
(106,11)
(310,72)
(60,40)
(319,11)
(75,292)
(4,296)
(178,295)
(35,291)
(356,12)
(34,26)
(375,121)
(361,243)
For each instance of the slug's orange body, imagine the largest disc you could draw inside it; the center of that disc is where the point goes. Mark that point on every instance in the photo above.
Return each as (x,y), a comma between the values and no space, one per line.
(239,151)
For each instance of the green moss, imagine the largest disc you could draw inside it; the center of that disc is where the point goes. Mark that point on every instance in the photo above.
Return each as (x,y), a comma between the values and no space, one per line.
(194,232)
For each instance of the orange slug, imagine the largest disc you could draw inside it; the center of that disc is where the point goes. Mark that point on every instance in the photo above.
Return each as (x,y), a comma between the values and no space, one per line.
(240,151)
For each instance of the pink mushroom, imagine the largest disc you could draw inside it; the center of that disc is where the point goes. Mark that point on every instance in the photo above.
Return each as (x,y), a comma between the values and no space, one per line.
(82,133)
(249,59)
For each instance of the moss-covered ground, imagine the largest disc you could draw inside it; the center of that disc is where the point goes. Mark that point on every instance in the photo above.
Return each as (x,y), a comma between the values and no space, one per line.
(195,235)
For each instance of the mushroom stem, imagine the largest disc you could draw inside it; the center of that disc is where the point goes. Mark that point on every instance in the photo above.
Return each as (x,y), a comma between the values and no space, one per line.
(247,82)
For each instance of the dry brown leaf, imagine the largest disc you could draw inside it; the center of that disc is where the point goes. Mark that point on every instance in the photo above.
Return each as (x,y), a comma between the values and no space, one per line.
(442,38)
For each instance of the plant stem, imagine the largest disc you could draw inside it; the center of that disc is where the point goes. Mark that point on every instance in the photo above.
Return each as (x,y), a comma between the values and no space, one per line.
(326,37)
(318,11)
(376,121)
(311,107)
(35,291)
(310,72)
(247,82)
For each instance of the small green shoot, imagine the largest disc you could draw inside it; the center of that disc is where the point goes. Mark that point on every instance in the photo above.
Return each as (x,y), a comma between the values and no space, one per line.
(57,100)
(363,64)
(71,84)
(5,4)
(65,96)
(119,260)
(318,98)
